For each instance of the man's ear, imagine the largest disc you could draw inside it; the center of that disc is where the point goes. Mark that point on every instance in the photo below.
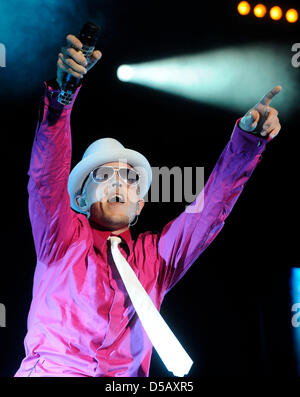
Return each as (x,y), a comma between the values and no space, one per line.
(81,202)
(139,206)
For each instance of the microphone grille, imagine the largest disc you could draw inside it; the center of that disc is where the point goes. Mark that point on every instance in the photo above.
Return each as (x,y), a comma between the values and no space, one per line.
(89,33)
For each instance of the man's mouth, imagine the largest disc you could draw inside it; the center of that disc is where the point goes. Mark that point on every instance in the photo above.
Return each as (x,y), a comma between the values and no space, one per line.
(116,198)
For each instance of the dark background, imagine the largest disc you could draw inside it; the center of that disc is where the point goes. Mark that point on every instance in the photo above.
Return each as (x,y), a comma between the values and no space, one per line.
(232,310)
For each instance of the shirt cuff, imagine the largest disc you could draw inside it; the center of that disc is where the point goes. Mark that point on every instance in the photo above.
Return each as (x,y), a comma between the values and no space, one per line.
(243,141)
(51,93)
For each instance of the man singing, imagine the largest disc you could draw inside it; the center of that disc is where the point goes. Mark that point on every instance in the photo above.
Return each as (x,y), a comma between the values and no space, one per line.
(97,292)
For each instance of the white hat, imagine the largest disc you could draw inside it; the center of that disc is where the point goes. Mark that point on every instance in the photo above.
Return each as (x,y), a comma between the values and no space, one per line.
(102,151)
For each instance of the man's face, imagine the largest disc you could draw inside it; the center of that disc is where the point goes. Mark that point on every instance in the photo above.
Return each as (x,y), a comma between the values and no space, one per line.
(108,211)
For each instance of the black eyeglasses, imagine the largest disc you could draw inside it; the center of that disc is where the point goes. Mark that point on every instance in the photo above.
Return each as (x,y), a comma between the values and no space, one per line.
(105,173)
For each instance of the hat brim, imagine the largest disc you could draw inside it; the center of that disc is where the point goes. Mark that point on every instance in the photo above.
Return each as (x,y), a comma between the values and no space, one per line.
(89,163)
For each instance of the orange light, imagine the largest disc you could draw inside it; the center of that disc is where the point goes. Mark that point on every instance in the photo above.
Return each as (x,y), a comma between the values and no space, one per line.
(276,13)
(292,15)
(260,10)
(243,8)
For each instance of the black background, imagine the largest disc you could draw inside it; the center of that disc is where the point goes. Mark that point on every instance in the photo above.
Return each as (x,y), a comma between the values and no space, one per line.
(232,310)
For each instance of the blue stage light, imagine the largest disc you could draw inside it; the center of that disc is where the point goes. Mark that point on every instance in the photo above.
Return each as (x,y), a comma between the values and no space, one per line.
(233,78)
(295,299)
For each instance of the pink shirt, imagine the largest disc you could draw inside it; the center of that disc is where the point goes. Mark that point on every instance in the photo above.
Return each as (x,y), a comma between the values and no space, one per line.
(81,321)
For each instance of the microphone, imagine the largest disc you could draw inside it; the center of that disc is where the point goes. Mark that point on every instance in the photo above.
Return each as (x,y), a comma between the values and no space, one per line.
(88,36)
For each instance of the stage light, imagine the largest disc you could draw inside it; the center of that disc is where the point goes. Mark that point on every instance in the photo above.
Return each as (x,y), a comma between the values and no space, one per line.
(231,78)
(244,8)
(260,10)
(292,15)
(295,311)
(276,13)
(125,73)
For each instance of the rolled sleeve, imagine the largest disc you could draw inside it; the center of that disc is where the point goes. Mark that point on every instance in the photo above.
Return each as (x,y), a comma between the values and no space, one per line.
(246,142)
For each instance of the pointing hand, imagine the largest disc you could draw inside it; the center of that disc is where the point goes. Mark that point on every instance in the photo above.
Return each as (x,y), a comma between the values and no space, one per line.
(262,119)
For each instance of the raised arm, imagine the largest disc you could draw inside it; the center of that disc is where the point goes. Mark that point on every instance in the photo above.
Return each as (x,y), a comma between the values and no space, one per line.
(185,238)
(53,221)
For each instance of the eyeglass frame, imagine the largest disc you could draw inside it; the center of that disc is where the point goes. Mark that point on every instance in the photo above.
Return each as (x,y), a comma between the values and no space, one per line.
(114,168)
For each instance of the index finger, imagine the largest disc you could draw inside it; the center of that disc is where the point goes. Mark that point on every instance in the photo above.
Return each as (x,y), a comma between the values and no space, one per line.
(267,99)
(74,42)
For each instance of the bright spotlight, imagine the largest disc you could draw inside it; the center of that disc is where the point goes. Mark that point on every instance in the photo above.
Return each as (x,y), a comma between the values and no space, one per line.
(276,13)
(243,8)
(292,15)
(231,78)
(125,73)
(260,10)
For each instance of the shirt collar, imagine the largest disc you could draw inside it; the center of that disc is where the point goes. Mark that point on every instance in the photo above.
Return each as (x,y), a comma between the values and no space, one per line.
(101,236)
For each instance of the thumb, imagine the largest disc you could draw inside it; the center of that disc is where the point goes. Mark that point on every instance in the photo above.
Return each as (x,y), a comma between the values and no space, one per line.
(94,58)
(250,120)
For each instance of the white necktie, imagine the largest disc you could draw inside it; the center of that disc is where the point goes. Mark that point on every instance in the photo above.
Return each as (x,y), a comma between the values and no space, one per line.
(162,338)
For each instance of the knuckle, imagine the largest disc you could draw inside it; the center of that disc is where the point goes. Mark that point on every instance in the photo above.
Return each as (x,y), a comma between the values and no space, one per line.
(75,66)
(77,58)
(273,111)
(83,59)
(72,51)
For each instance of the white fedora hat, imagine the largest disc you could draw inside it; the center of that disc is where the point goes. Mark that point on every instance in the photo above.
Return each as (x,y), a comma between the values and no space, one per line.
(102,151)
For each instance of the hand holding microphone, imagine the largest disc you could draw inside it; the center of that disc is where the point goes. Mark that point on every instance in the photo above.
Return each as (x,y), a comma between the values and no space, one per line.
(75,60)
